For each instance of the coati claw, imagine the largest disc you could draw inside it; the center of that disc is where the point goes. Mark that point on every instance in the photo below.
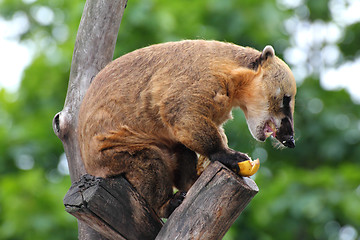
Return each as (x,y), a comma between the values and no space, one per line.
(248,168)
(166,210)
(230,158)
(177,199)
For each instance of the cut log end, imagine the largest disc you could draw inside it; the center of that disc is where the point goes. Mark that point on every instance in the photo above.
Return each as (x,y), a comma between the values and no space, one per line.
(211,206)
(112,207)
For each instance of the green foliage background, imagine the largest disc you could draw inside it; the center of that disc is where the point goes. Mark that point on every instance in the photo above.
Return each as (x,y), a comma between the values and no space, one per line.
(310,192)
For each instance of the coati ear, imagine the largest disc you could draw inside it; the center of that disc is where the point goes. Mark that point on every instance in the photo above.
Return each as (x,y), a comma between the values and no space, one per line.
(268,52)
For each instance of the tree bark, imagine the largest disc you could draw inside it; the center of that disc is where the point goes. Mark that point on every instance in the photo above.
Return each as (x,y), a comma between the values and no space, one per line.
(211,205)
(115,209)
(94,48)
(112,207)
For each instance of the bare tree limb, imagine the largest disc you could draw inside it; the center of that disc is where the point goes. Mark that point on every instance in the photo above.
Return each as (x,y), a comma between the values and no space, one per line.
(94,48)
(211,206)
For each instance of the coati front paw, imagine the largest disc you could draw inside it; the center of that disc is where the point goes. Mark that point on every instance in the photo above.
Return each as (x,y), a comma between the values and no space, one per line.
(177,199)
(172,204)
(229,158)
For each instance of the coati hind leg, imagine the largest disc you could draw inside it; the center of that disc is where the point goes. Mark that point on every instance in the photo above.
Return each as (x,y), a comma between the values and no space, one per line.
(185,173)
(149,175)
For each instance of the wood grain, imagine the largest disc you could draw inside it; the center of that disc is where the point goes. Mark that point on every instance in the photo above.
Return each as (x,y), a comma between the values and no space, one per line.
(117,211)
(113,208)
(211,206)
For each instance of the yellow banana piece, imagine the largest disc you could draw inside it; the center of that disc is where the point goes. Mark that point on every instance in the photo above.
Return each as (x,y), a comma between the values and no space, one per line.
(249,167)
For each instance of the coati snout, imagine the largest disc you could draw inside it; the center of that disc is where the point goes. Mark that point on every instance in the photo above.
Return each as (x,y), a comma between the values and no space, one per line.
(285,135)
(149,113)
(272,113)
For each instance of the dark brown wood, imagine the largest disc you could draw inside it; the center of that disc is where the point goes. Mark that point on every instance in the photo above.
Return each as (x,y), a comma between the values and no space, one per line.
(115,209)
(211,206)
(94,48)
(112,207)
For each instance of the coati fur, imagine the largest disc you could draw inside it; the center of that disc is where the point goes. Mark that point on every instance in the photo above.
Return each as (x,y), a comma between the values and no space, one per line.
(148,114)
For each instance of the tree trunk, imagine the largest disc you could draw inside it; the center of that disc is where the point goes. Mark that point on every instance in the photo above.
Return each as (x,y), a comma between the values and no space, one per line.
(94,48)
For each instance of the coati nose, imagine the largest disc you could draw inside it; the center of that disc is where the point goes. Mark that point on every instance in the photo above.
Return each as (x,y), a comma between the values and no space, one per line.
(290,142)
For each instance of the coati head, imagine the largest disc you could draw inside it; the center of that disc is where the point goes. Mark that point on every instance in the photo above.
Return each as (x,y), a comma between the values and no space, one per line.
(270,109)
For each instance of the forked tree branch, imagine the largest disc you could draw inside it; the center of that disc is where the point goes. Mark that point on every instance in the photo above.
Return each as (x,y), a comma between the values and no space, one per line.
(94,48)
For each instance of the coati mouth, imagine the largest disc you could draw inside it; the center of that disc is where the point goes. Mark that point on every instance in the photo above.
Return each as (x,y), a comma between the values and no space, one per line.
(269,129)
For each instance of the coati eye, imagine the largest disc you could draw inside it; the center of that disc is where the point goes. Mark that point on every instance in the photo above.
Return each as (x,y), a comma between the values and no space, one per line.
(286,101)
(286,105)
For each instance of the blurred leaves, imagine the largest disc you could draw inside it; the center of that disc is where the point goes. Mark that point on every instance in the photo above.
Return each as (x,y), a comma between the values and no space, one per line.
(31,207)
(298,203)
(310,192)
(351,37)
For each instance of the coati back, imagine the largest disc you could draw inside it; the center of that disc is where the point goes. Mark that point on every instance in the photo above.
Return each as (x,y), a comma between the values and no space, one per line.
(147,113)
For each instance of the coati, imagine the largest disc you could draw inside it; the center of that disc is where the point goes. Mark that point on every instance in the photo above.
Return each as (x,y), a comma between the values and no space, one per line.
(148,114)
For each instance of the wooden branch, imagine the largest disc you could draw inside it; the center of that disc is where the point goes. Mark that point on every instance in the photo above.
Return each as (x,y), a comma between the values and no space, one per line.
(94,48)
(115,209)
(112,207)
(211,206)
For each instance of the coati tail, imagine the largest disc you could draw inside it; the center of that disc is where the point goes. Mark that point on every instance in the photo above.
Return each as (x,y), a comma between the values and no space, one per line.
(203,162)
(124,139)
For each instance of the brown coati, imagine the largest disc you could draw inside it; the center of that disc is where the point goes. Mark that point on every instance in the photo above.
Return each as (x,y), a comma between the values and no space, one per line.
(148,114)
